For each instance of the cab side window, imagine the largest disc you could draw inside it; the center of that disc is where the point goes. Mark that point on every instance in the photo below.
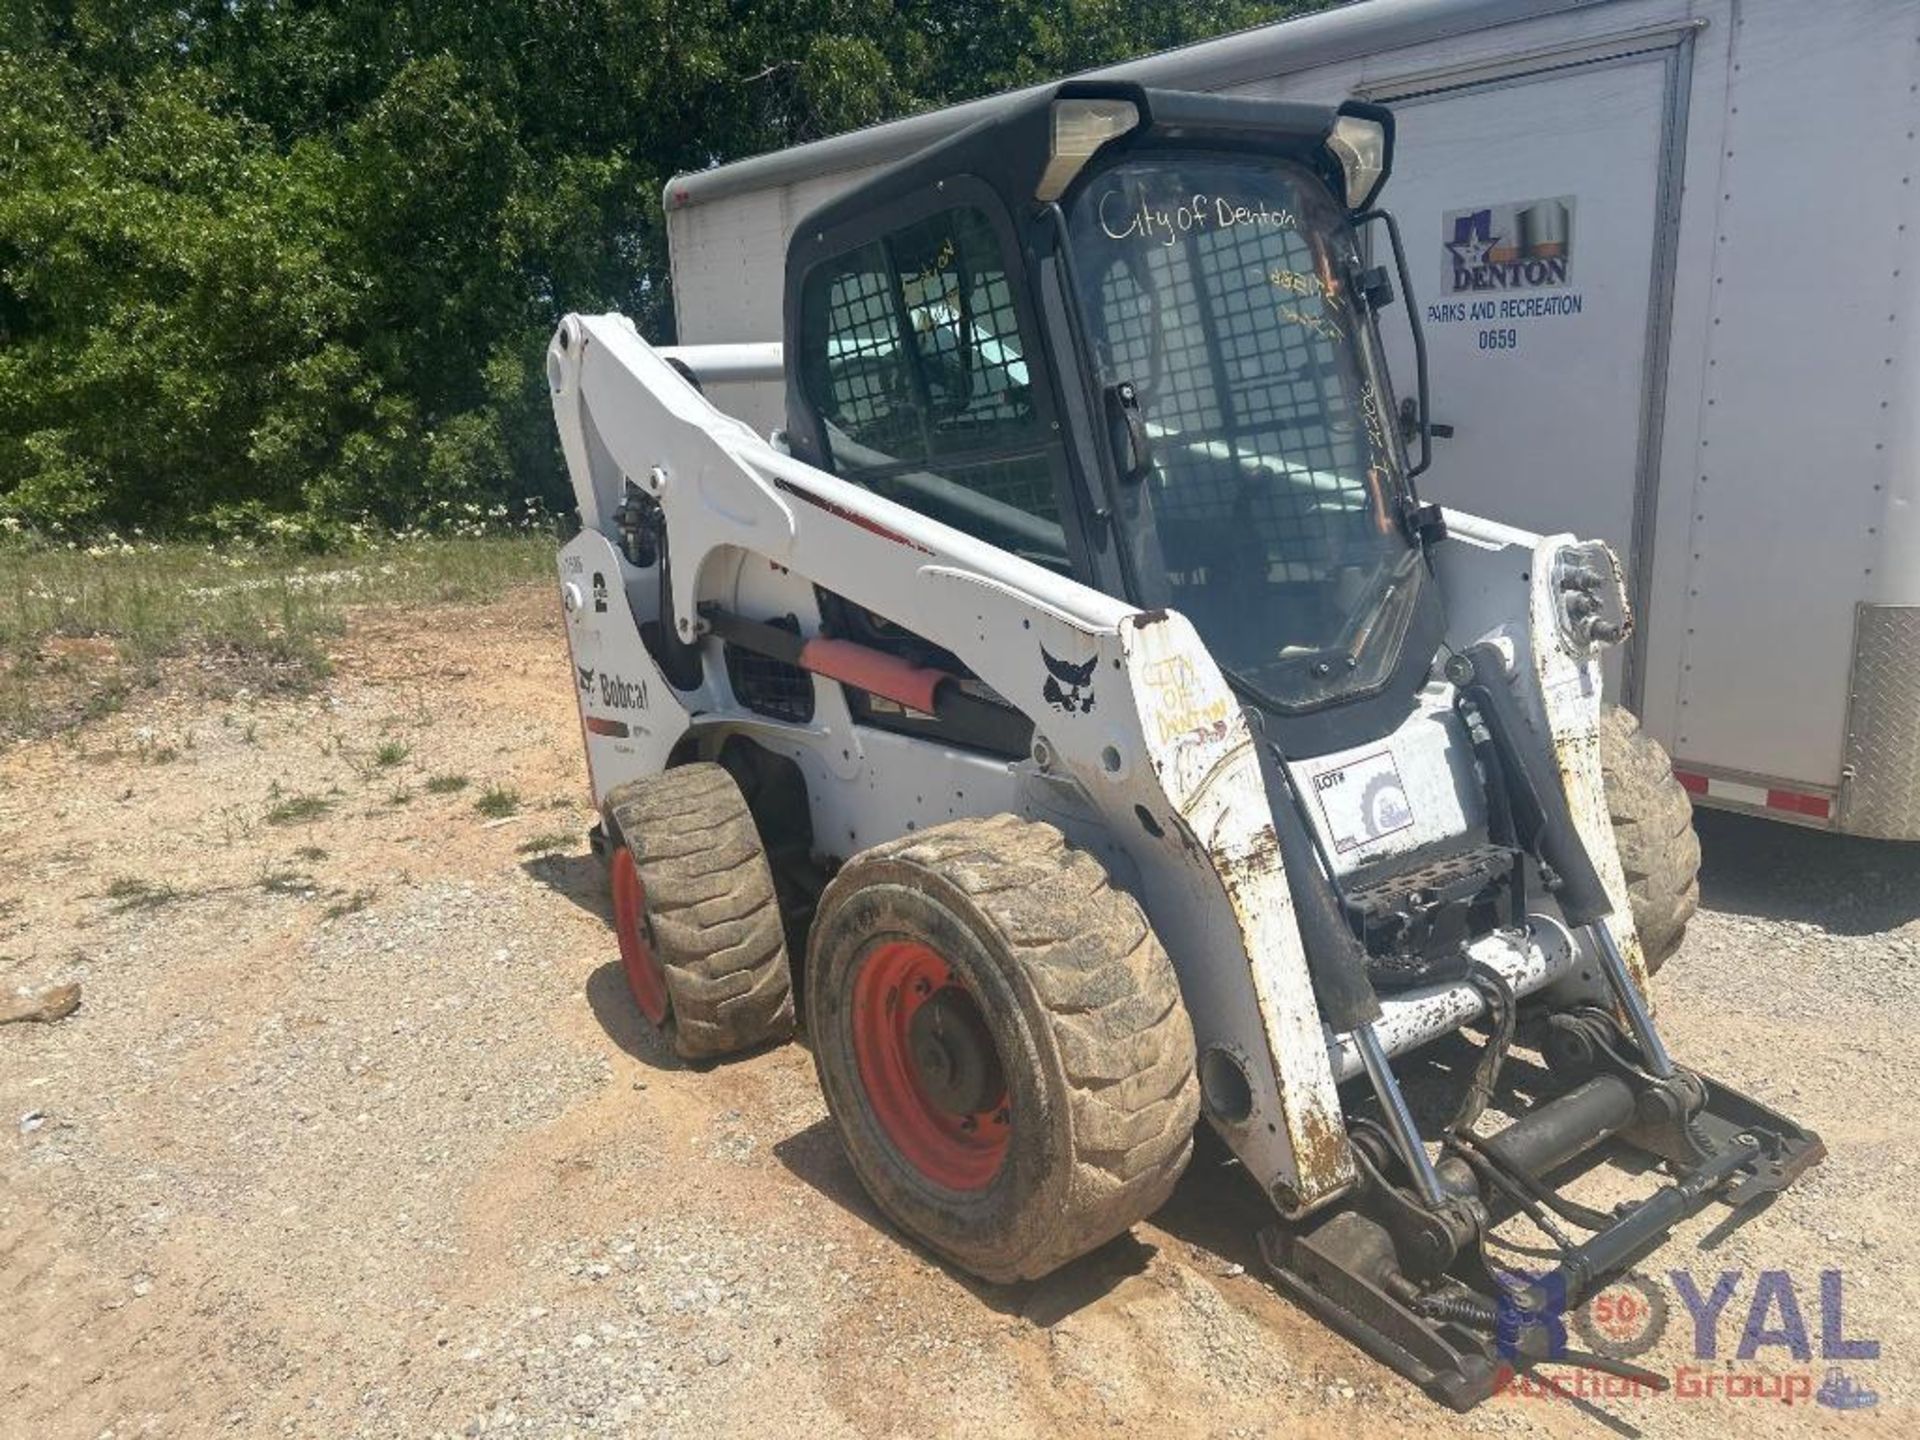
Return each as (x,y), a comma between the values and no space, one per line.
(913,357)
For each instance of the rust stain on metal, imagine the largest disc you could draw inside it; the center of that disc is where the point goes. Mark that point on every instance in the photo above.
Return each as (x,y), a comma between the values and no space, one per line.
(1626,599)
(1250,865)
(1203,755)
(1569,688)
(1320,1153)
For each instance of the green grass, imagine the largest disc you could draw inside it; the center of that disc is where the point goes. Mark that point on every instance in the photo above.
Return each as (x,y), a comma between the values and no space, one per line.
(390,753)
(350,905)
(298,809)
(546,844)
(445,784)
(82,627)
(497,802)
(130,892)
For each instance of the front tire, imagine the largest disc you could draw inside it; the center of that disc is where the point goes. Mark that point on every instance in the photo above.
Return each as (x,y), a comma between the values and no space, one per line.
(1002,1043)
(1653,826)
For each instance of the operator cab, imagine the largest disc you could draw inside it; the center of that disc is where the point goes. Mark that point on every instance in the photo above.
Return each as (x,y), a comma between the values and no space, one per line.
(1129,334)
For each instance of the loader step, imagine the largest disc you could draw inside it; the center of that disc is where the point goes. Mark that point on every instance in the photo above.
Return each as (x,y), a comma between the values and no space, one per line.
(1416,918)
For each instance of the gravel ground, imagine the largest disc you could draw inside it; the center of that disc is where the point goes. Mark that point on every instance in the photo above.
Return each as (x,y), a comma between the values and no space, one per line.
(356,1132)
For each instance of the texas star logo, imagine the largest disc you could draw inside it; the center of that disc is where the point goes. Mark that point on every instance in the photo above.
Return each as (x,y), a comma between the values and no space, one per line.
(1069,688)
(1523,246)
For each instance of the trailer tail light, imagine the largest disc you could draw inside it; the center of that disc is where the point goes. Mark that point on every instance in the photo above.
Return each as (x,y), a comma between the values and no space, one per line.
(1818,806)
(1756,797)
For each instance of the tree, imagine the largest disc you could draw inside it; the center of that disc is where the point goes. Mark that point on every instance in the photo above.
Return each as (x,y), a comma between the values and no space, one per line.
(264,260)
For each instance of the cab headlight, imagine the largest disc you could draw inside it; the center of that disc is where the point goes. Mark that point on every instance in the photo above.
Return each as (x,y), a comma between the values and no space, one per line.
(1081,127)
(1359,143)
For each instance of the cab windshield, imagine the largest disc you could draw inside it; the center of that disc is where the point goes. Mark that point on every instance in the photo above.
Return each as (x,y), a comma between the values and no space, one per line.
(1218,289)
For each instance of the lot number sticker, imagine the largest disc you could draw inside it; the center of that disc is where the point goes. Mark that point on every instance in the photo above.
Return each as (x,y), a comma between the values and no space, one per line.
(1363,800)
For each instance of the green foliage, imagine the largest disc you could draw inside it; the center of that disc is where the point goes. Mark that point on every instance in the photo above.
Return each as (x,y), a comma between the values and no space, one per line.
(350,904)
(497,802)
(132,892)
(298,809)
(279,270)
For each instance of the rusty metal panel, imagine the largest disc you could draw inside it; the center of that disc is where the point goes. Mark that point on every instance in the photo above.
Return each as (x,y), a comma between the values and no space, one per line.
(1528,962)
(1567,673)
(1202,753)
(1880,786)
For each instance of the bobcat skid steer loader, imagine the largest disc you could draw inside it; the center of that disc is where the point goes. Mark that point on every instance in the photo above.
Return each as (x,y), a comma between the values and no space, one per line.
(1080,688)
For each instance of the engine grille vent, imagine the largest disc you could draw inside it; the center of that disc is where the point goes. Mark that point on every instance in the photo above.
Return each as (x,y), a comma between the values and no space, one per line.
(771,687)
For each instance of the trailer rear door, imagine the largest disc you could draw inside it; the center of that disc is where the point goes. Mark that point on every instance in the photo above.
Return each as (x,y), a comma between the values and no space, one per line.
(1533,213)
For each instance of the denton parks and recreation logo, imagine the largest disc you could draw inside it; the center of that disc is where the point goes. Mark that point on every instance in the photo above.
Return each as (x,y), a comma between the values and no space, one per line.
(1527,245)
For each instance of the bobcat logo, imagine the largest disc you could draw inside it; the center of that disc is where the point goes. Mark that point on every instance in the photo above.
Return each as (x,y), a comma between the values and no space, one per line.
(586,677)
(1066,684)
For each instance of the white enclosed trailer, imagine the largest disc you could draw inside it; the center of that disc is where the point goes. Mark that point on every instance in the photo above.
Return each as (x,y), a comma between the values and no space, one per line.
(1667,256)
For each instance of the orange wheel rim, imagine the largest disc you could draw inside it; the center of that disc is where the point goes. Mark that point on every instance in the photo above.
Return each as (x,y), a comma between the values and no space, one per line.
(929,1067)
(645,977)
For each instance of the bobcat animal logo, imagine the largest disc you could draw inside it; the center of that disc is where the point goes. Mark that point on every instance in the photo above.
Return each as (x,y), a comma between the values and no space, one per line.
(1069,688)
(586,677)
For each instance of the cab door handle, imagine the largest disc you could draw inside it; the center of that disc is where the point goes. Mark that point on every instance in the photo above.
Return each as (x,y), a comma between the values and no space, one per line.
(1410,423)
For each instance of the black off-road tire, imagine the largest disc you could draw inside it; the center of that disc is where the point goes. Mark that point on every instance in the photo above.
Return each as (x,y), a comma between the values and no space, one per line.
(710,911)
(1653,825)
(1083,1009)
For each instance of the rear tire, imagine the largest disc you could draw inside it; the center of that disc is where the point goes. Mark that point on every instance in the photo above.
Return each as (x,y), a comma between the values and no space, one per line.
(1653,826)
(1036,970)
(699,926)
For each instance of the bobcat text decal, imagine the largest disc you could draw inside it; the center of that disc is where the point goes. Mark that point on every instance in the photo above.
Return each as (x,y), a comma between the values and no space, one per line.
(617,693)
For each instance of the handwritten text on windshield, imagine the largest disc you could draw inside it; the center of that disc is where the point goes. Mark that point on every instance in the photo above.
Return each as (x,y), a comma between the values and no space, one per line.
(1137,217)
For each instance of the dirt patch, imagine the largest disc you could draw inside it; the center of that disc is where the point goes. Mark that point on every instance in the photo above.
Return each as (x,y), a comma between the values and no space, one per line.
(357,1133)
(67,683)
